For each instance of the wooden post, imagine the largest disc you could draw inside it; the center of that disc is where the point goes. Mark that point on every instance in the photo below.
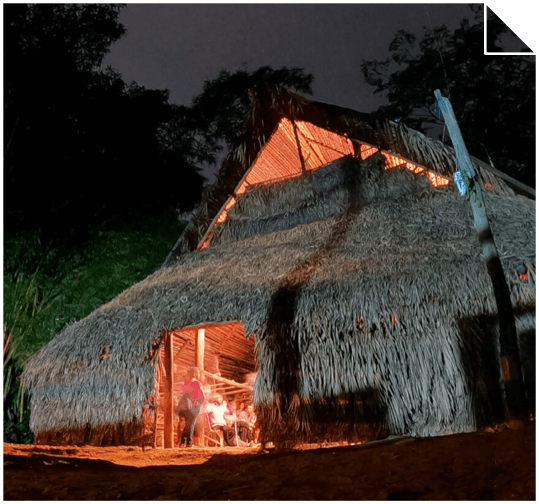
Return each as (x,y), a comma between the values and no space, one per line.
(199,363)
(199,351)
(510,366)
(168,434)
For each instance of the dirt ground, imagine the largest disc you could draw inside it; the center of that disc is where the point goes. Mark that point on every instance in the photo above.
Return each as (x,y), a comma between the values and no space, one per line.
(478,466)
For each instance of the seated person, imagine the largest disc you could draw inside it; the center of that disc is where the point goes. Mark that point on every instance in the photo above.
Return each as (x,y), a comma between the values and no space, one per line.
(249,417)
(222,416)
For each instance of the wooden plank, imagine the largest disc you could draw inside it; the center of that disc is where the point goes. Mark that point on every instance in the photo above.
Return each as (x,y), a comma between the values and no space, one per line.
(224,342)
(302,161)
(168,434)
(228,382)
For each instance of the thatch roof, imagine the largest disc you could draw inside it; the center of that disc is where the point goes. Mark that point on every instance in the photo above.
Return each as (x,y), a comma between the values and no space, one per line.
(271,103)
(351,278)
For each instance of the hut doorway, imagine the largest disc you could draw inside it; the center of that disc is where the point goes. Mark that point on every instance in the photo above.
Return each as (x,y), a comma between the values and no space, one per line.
(226,360)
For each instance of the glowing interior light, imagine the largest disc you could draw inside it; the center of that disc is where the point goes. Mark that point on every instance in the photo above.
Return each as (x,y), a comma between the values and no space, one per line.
(222,217)
(367,150)
(437,180)
(393,161)
(206,242)
(414,168)
(279,158)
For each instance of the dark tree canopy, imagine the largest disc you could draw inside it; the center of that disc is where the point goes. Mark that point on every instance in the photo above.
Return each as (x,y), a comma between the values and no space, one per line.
(493,96)
(81,144)
(220,112)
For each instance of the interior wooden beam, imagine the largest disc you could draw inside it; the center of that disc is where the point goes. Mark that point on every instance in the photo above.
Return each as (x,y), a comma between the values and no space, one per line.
(228,382)
(184,344)
(199,363)
(224,342)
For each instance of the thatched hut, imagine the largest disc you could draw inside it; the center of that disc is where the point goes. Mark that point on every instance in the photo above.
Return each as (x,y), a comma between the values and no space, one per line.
(336,260)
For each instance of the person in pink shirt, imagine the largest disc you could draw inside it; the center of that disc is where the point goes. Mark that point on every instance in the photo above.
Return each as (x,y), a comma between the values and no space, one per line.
(191,399)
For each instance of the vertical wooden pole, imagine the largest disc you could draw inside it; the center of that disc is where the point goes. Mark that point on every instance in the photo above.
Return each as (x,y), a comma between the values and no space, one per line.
(199,363)
(510,366)
(168,434)
(199,351)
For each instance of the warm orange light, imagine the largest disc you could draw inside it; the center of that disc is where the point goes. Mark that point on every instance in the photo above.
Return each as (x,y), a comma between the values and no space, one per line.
(367,150)
(224,214)
(231,203)
(319,146)
(393,161)
(437,180)
(222,217)
(414,168)
(279,159)
(206,242)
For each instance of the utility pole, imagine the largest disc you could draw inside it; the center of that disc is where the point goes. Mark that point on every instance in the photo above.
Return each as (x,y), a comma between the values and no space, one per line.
(510,368)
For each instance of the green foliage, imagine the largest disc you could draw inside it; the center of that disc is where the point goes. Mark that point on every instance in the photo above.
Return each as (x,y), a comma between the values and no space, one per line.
(27,327)
(27,316)
(117,257)
(38,304)
(493,96)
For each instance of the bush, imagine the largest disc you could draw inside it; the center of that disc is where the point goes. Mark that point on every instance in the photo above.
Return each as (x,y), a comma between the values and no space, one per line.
(44,292)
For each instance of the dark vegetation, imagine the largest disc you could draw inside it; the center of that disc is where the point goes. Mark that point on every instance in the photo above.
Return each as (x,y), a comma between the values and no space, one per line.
(96,170)
(493,96)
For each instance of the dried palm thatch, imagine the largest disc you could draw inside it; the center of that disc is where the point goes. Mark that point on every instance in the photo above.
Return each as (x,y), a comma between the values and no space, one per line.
(271,103)
(364,290)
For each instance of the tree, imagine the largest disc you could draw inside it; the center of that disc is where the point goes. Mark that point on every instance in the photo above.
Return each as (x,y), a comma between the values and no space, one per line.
(493,96)
(80,143)
(219,114)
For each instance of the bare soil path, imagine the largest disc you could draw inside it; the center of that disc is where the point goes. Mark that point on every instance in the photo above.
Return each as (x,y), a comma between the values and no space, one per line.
(476,466)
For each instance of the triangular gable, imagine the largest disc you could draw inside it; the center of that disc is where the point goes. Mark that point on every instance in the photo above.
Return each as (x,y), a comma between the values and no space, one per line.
(280,159)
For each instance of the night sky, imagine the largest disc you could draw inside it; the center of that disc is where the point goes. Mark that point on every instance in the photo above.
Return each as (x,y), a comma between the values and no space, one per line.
(179,46)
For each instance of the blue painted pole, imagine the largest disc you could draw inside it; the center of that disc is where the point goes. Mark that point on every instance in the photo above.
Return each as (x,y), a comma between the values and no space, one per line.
(510,368)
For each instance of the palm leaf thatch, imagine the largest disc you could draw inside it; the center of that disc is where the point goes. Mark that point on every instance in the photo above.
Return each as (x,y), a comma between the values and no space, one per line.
(363,288)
